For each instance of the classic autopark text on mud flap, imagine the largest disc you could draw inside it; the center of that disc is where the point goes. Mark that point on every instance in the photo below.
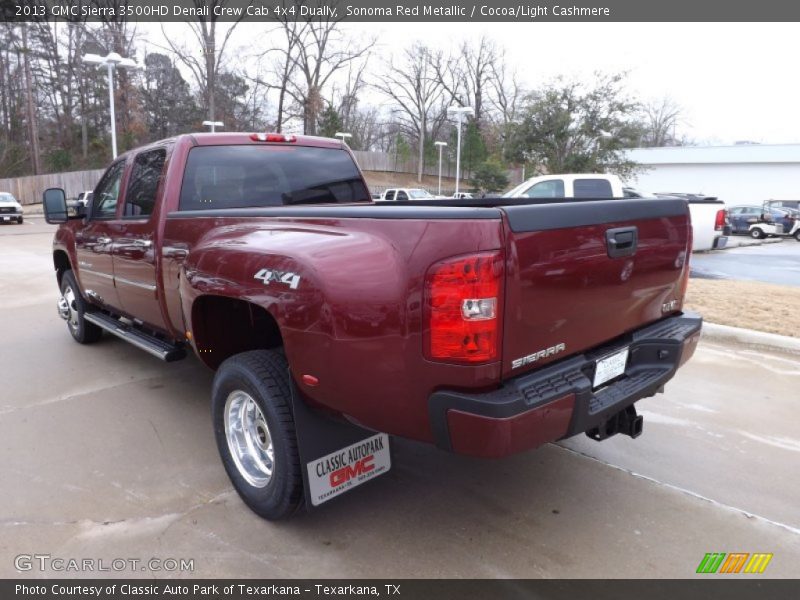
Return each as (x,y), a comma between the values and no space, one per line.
(344,469)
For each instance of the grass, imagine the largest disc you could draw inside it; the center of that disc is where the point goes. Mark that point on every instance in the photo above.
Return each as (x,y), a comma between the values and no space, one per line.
(747,304)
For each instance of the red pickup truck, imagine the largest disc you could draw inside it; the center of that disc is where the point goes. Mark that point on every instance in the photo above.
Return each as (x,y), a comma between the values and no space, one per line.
(486,327)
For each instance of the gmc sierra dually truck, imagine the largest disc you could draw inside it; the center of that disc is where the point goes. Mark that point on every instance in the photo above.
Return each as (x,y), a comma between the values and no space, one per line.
(484,326)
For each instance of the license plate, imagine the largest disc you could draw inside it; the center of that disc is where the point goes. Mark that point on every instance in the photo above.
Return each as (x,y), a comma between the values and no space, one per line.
(610,367)
(6,218)
(348,467)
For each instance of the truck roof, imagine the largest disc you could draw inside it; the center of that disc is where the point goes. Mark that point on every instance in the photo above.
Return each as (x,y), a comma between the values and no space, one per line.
(230,138)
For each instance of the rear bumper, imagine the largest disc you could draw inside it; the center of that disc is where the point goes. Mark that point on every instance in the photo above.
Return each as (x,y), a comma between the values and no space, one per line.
(557,401)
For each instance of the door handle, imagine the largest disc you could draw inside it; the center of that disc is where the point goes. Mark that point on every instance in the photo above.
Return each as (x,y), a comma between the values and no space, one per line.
(142,243)
(104,240)
(622,241)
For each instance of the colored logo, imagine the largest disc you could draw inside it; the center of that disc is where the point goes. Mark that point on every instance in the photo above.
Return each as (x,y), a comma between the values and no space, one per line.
(735,562)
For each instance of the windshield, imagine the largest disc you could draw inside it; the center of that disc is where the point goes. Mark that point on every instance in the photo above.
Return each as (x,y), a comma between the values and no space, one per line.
(417,194)
(254,176)
(7,198)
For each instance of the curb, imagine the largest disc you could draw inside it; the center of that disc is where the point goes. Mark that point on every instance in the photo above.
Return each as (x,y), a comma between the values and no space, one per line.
(32,209)
(747,242)
(749,337)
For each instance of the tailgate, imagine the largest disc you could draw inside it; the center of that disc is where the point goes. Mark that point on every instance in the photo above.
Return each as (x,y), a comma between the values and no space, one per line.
(580,274)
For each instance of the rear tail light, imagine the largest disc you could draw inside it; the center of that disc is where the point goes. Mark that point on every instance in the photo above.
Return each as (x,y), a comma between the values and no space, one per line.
(462,308)
(722,217)
(273,137)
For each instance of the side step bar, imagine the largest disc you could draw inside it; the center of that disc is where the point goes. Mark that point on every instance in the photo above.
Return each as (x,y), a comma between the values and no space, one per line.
(144,341)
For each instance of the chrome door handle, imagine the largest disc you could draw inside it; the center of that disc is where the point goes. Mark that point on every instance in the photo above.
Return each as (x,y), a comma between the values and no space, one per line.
(142,243)
(104,240)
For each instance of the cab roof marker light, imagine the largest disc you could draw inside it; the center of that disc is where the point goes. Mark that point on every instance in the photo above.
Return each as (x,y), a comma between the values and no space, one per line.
(273,137)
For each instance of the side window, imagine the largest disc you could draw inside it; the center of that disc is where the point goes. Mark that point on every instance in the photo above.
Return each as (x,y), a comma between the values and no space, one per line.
(104,202)
(592,188)
(389,195)
(735,211)
(553,188)
(402,196)
(145,177)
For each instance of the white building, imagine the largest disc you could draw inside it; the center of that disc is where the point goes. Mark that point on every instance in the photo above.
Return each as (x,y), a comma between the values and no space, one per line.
(741,174)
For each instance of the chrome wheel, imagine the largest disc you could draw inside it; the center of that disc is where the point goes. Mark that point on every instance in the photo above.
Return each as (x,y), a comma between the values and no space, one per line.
(249,439)
(68,308)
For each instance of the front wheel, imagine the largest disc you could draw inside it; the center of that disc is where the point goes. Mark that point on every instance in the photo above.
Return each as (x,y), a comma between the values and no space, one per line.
(797,235)
(19,221)
(757,234)
(255,432)
(71,307)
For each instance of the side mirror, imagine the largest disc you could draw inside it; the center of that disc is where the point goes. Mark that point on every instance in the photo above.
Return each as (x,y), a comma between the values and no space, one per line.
(54,202)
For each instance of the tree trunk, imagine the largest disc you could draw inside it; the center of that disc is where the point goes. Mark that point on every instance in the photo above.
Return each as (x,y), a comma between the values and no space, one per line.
(421,166)
(33,127)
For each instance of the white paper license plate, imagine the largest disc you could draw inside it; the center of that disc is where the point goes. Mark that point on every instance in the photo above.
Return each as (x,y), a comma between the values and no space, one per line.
(609,367)
(347,468)
(6,218)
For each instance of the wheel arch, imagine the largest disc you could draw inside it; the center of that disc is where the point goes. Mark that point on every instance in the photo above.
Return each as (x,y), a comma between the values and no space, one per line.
(61,263)
(222,326)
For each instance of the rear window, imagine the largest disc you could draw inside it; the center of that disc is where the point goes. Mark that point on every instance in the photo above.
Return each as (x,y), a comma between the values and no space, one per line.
(592,188)
(252,176)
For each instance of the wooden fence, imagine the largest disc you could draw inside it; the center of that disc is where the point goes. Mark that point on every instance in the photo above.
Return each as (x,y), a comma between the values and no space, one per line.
(388,162)
(28,190)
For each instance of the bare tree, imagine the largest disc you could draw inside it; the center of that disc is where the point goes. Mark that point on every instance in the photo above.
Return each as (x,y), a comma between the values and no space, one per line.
(31,117)
(322,50)
(660,121)
(466,75)
(412,85)
(504,99)
(205,65)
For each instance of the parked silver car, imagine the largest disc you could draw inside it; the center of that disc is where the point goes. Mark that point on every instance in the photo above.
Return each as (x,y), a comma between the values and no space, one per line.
(10,209)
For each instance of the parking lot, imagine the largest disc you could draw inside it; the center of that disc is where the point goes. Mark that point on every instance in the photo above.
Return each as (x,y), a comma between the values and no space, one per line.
(775,262)
(106,452)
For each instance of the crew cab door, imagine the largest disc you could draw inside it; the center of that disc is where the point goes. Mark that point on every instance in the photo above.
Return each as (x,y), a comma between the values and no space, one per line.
(135,254)
(94,242)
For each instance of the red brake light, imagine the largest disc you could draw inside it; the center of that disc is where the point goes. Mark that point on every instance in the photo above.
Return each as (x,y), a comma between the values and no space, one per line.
(719,223)
(273,137)
(462,308)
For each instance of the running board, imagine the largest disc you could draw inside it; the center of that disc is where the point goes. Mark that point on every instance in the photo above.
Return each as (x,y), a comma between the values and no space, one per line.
(144,341)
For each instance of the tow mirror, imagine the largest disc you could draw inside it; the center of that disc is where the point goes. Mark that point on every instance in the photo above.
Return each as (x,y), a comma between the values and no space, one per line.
(54,202)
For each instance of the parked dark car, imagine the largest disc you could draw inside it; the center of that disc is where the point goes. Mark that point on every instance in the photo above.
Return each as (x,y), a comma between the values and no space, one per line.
(742,217)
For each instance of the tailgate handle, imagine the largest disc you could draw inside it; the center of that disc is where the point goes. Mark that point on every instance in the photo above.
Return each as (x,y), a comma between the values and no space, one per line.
(622,241)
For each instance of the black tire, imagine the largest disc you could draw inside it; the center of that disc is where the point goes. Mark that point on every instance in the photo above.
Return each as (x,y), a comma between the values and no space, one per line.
(19,221)
(82,331)
(263,375)
(757,234)
(797,235)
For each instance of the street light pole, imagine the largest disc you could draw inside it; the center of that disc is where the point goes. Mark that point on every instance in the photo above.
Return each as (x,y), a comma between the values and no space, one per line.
(110,66)
(111,61)
(441,145)
(459,111)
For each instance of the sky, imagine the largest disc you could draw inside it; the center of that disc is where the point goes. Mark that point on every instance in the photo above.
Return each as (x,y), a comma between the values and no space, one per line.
(733,80)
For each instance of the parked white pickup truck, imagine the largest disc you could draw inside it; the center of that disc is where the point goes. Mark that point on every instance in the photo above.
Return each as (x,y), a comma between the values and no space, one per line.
(406,194)
(569,185)
(709,217)
(710,224)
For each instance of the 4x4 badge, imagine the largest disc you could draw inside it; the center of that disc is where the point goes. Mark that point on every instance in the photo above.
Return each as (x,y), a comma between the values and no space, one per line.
(268,276)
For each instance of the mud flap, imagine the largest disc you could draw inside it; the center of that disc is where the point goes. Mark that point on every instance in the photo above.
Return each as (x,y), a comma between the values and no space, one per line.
(336,456)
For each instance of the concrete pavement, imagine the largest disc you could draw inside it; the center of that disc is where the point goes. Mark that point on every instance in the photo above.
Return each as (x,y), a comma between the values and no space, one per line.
(107,453)
(777,263)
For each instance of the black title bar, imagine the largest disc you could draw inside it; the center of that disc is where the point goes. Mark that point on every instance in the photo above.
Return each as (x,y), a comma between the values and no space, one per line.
(402,10)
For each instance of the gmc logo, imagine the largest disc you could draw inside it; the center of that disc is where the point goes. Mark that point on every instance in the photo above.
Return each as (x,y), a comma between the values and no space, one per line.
(345,474)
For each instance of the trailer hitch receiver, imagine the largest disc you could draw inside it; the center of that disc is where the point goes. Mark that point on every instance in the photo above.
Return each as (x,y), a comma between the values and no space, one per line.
(625,421)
